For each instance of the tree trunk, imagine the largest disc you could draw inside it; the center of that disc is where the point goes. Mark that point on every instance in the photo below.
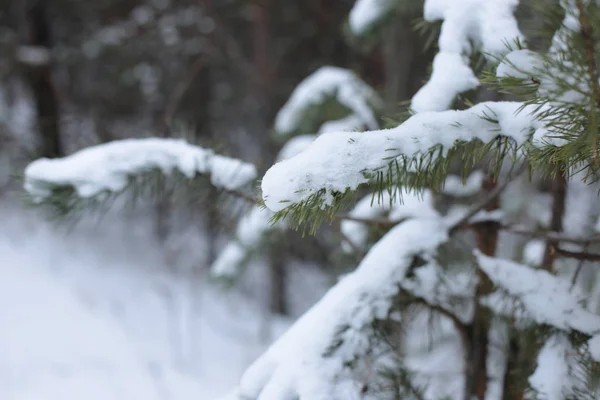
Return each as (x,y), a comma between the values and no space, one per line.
(39,77)
(478,331)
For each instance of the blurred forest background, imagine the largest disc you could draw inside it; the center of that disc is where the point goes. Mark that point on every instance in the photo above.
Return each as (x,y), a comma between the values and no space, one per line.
(75,73)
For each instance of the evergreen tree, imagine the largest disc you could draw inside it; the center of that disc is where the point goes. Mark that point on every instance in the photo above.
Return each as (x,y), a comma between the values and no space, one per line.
(479,229)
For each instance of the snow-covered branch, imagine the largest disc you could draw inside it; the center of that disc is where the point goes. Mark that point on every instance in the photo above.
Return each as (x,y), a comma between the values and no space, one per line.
(109,167)
(545,298)
(338,161)
(307,364)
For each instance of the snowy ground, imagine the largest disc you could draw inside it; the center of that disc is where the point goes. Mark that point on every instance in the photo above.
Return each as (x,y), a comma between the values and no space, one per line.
(98,316)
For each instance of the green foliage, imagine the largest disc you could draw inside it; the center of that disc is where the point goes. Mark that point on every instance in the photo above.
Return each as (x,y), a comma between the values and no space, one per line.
(412,172)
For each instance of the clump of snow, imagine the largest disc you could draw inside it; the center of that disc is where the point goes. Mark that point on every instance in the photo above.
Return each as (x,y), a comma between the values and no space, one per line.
(451,76)
(343,160)
(326,82)
(455,187)
(594,347)
(553,378)
(533,253)
(487,24)
(108,167)
(547,299)
(309,361)
(367,13)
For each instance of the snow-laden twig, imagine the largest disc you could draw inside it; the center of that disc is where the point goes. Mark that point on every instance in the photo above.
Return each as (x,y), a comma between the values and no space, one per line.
(313,359)
(545,298)
(338,161)
(108,167)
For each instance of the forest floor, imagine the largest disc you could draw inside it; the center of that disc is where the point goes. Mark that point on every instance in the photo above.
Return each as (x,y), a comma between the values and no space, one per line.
(98,315)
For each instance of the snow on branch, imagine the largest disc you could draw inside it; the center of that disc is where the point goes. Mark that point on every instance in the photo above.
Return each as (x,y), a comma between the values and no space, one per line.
(553,377)
(545,298)
(109,167)
(318,356)
(367,13)
(489,25)
(328,82)
(340,161)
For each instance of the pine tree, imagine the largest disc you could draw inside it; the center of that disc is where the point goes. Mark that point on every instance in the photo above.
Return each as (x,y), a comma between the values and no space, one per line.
(479,229)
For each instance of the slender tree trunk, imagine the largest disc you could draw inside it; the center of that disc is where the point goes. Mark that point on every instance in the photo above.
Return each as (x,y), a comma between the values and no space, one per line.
(39,77)
(478,332)
(559,195)
(262,93)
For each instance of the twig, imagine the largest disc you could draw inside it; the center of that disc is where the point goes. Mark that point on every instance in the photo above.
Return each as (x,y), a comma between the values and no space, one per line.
(579,266)
(371,221)
(359,253)
(551,236)
(460,326)
(584,256)
(492,195)
(248,198)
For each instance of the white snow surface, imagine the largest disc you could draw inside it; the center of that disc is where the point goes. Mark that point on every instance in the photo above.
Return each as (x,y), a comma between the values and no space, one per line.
(553,379)
(338,161)
(108,167)
(97,315)
(297,366)
(343,84)
(533,252)
(366,13)
(594,346)
(546,298)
